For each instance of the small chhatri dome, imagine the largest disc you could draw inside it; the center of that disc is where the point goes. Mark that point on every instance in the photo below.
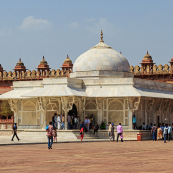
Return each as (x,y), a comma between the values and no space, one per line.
(67,60)
(20,63)
(147,56)
(43,62)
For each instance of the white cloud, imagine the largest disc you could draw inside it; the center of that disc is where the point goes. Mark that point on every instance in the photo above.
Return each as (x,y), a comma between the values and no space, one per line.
(103,25)
(32,23)
(74,25)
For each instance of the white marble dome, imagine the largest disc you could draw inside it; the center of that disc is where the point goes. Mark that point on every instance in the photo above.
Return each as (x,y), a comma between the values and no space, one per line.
(101,57)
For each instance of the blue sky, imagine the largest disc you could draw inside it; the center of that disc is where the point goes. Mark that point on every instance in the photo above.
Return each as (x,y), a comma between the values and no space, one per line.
(32,28)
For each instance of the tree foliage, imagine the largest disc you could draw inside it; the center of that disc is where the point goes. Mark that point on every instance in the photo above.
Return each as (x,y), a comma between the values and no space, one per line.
(5,109)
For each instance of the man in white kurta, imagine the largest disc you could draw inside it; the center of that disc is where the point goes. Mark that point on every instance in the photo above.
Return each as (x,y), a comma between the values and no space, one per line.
(59,122)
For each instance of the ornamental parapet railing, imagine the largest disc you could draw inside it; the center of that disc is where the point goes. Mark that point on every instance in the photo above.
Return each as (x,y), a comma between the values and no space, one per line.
(29,75)
(166,69)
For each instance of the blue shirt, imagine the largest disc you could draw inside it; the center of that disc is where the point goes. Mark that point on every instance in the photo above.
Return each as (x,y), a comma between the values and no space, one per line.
(169,129)
(134,119)
(162,128)
(82,125)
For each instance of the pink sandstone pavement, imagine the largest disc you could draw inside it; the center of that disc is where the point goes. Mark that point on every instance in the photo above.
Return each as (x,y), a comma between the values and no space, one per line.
(97,157)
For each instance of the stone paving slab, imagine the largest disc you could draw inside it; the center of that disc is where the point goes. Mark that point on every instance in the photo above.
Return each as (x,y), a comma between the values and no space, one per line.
(97,157)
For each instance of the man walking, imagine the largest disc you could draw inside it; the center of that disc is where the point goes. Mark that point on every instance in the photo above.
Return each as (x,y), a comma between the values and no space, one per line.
(50,135)
(169,132)
(112,132)
(15,132)
(154,131)
(119,131)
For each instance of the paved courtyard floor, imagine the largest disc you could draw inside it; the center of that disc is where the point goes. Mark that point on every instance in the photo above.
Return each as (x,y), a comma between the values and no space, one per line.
(98,157)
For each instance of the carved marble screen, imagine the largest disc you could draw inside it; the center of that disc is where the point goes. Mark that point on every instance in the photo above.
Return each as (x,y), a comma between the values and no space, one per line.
(115,111)
(28,113)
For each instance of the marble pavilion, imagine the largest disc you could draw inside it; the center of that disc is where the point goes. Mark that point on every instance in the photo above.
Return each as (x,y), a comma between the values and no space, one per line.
(100,84)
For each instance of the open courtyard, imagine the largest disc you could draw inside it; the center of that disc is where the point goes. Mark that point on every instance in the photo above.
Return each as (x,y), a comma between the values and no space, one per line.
(127,156)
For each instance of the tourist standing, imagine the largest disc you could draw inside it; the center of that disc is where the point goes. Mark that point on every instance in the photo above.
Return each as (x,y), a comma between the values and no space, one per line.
(63,122)
(154,131)
(109,132)
(96,127)
(165,133)
(14,132)
(54,135)
(93,120)
(53,119)
(159,132)
(59,122)
(162,127)
(75,122)
(134,122)
(55,123)
(119,132)
(169,132)
(87,122)
(112,132)
(78,119)
(69,121)
(50,135)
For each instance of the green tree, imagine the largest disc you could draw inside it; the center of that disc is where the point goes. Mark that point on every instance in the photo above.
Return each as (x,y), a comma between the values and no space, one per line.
(5,109)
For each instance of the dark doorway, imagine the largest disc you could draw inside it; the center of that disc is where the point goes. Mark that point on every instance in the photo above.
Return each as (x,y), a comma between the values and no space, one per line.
(73,111)
(158,121)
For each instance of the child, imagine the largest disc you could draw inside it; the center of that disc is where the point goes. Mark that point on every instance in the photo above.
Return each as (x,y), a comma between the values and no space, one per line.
(54,134)
(81,133)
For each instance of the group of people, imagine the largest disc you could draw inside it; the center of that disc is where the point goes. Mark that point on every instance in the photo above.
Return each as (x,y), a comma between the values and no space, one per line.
(58,121)
(119,132)
(73,121)
(162,131)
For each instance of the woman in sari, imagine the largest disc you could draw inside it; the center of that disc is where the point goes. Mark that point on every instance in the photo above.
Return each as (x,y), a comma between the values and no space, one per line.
(159,132)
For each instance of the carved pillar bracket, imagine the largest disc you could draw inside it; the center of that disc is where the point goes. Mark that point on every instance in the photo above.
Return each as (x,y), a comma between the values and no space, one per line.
(99,103)
(13,105)
(134,103)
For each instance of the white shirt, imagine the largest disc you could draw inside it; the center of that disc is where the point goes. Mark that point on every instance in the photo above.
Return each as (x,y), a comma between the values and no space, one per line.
(58,119)
(87,121)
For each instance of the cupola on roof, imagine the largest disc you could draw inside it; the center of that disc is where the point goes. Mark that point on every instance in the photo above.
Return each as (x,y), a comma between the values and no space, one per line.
(147,56)
(43,62)
(101,57)
(67,60)
(20,63)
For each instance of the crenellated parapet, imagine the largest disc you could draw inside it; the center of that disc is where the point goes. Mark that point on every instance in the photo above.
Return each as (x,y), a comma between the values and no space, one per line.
(35,74)
(43,71)
(160,69)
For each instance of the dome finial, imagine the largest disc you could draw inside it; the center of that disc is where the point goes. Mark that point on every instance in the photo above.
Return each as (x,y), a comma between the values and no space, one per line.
(147,51)
(19,59)
(43,57)
(67,56)
(101,36)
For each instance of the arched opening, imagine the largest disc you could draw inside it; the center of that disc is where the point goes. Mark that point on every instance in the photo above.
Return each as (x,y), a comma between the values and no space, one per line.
(73,110)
